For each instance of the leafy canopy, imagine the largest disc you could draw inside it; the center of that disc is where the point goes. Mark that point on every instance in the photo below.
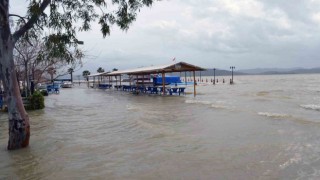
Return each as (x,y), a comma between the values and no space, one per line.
(62,19)
(85,73)
(100,70)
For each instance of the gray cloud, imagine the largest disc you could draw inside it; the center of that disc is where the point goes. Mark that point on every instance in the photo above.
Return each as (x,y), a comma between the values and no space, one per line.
(213,33)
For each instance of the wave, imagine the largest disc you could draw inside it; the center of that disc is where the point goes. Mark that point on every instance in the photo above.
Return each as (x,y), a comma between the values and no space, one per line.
(132,107)
(197,102)
(263,93)
(273,115)
(218,106)
(311,106)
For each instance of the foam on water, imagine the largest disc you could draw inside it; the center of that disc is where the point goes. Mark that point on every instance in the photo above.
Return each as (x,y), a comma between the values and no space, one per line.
(311,106)
(132,107)
(273,115)
(197,102)
(218,106)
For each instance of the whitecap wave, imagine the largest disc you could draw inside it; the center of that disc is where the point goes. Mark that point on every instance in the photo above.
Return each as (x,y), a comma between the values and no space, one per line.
(297,158)
(197,102)
(273,115)
(131,107)
(311,106)
(218,106)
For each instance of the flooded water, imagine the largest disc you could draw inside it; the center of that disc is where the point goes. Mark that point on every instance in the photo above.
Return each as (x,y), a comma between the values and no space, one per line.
(263,127)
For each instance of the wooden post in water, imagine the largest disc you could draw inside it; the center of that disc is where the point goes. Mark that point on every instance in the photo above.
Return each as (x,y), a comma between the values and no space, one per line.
(94,82)
(143,82)
(163,83)
(88,81)
(137,79)
(116,82)
(194,84)
(214,76)
(185,78)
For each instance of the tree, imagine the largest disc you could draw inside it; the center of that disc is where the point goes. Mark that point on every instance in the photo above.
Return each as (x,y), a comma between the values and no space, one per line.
(63,17)
(51,71)
(85,74)
(114,69)
(100,70)
(37,64)
(24,55)
(70,71)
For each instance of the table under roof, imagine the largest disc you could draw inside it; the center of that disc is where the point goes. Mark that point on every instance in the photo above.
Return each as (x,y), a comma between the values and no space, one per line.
(163,69)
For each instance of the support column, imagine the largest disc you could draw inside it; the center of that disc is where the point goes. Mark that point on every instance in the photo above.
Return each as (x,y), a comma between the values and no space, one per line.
(143,83)
(94,82)
(137,81)
(185,78)
(194,84)
(116,82)
(163,83)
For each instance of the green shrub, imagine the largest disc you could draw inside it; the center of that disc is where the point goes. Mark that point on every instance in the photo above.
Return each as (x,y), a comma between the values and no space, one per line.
(36,101)
(44,92)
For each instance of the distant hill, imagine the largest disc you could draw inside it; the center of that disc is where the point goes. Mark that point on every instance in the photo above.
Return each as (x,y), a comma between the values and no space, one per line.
(270,71)
(221,72)
(257,71)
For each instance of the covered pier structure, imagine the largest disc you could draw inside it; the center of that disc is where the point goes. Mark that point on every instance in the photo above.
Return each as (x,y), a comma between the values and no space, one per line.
(143,74)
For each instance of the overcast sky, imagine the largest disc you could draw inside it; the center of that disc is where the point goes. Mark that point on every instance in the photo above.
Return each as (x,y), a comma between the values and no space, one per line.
(210,33)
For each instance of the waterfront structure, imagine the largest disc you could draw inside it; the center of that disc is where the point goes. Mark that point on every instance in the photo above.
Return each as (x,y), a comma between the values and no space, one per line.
(141,75)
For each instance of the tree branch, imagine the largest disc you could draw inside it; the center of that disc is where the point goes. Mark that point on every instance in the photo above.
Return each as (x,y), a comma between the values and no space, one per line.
(34,18)
(23,18)
(21,54)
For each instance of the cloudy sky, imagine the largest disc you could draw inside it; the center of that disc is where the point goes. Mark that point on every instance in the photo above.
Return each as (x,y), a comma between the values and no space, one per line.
(211,33)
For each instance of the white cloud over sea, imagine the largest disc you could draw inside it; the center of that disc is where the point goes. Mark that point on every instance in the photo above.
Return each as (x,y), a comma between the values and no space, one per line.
(213,33)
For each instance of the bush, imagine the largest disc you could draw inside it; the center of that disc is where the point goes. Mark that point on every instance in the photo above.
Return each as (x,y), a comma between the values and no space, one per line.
(36,101)
(44,92)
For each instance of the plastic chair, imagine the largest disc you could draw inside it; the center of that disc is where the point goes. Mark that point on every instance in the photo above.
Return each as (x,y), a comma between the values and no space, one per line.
(181,90)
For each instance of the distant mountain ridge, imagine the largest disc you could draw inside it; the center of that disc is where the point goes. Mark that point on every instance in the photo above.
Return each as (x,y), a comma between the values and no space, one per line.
(270,71)
(257,71)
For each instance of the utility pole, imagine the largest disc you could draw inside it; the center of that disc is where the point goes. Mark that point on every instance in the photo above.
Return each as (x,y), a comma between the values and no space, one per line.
(214,76)
(232,68)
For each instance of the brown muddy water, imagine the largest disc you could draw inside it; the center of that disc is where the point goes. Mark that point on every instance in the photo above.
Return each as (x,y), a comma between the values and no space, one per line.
(263,127)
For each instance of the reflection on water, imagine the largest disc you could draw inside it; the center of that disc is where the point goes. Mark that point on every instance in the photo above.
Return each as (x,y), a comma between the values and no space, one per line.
(265,127)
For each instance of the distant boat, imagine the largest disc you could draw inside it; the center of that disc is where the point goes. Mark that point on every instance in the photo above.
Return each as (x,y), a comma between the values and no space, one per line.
(66,84)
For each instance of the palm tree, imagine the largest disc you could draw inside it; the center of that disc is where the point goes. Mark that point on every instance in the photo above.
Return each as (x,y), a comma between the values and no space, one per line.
(100,70)
(85,74)
(70,71)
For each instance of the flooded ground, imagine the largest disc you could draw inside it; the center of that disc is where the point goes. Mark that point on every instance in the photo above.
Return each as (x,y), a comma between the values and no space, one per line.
(263,127)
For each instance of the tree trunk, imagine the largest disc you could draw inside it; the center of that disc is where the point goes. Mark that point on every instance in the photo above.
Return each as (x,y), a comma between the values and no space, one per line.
(19,127)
